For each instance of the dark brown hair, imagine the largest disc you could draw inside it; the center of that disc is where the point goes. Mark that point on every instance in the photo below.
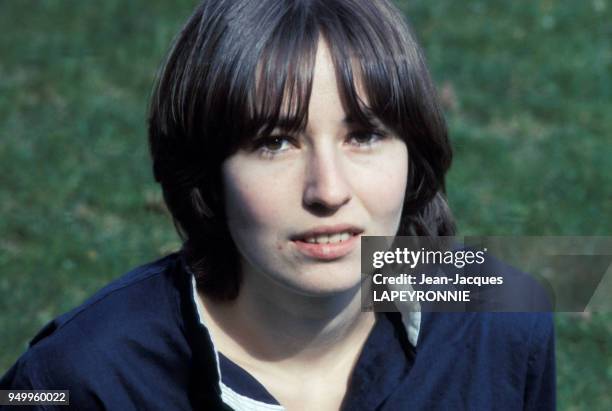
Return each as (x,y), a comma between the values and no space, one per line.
(238,66)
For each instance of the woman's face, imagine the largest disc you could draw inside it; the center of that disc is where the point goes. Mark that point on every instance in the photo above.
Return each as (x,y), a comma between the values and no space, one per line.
(297,204)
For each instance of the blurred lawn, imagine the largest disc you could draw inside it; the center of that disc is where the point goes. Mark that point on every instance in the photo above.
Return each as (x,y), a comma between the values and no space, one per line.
(528,90)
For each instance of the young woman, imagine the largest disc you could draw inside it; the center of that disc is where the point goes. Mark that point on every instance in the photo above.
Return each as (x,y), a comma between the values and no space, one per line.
(281,132)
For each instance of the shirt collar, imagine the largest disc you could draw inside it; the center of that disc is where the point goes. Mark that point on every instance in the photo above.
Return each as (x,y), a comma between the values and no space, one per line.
(411,320)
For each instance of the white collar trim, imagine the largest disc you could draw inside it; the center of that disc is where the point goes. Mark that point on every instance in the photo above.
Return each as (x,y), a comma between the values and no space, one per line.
(238,402)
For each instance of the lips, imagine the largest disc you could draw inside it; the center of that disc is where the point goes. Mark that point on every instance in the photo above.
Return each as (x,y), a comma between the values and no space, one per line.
(328,242)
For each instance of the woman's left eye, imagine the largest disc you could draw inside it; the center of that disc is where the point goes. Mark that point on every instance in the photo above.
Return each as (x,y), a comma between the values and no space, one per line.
(365,138)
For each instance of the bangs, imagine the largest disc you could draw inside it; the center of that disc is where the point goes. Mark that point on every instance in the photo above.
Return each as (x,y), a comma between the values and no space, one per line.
(269,86)
(280,90)
(242,68)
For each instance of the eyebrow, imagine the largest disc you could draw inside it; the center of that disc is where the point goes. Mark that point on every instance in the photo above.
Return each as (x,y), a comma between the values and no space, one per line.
(371,119)
(286,123)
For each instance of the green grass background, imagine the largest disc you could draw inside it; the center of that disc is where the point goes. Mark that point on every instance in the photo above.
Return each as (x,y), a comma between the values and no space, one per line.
(527,88)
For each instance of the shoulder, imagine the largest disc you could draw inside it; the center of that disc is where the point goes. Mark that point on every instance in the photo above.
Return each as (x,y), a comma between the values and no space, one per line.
(129,304)
(485,358)
(504,329)
(493,344)
(132,325)
(526,332)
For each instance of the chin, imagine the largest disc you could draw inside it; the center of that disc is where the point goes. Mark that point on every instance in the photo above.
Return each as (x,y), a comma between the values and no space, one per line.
(327,284)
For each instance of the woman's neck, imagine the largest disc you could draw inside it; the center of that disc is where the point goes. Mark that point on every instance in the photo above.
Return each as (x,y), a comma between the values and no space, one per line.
(273,329)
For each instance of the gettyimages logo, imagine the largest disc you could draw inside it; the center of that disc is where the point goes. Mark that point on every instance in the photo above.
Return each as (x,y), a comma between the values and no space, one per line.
(478,274)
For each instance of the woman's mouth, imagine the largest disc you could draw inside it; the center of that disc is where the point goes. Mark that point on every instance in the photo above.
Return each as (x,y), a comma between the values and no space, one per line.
(328,243)
(328,239)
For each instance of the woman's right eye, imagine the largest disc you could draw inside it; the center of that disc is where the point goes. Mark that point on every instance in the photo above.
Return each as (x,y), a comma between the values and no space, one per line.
(273,145)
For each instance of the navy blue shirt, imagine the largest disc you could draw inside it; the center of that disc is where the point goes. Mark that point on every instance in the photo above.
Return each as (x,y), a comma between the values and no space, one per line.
(139,344)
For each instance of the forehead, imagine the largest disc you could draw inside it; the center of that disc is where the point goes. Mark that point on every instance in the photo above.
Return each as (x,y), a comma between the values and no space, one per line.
(313,91)
(324,72)
(326,103)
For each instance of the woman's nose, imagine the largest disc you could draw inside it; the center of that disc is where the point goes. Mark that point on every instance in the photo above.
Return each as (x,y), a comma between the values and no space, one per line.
(326,187)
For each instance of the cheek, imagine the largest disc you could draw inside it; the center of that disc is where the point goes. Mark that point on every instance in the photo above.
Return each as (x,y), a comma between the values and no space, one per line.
(252,199)
(383,187)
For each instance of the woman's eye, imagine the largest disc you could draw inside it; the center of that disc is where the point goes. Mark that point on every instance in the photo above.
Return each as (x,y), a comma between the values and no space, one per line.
(273,145)
(365,139)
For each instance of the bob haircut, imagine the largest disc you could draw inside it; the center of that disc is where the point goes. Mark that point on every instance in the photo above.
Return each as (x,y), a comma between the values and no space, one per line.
(240,68)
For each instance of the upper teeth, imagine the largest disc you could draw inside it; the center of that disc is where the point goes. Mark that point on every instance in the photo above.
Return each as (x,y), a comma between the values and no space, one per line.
(326,239)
